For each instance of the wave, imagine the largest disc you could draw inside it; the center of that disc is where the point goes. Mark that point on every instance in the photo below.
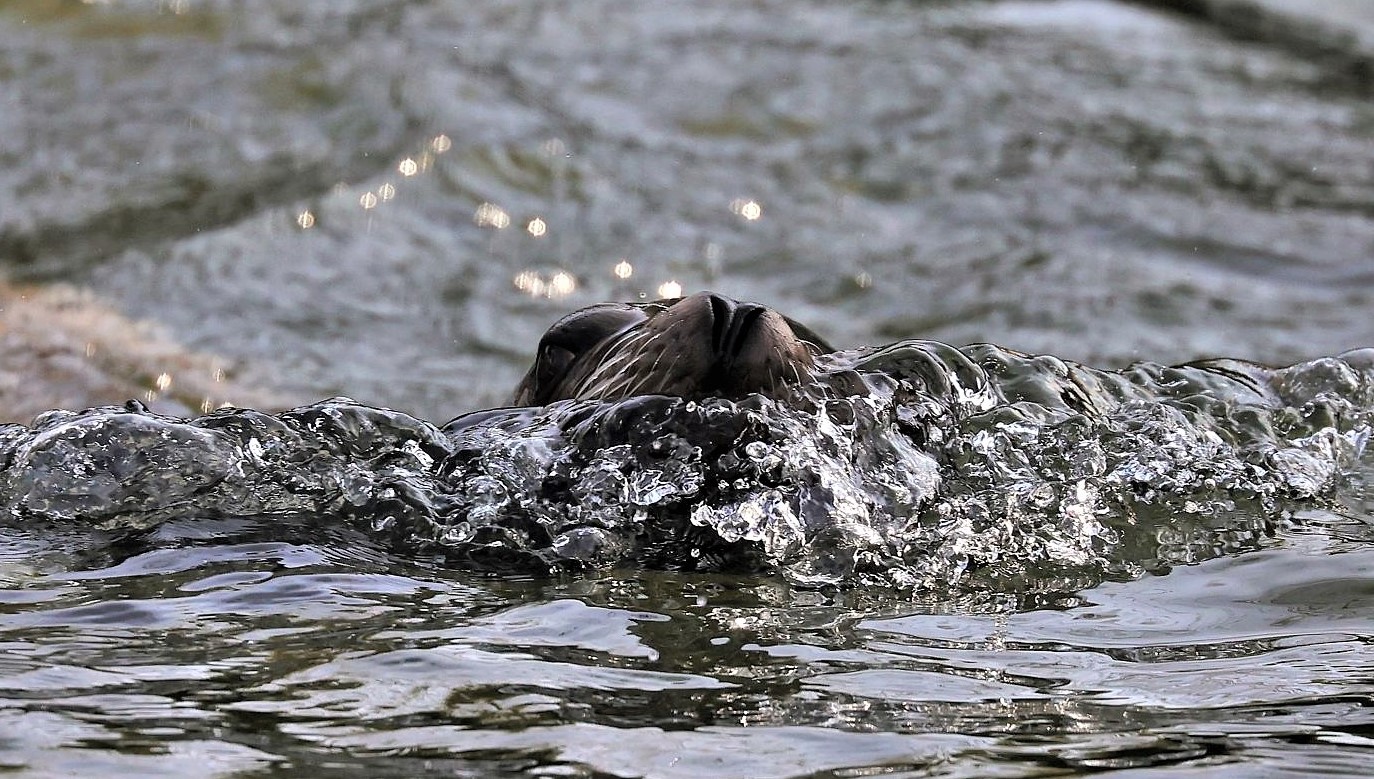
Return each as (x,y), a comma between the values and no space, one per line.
(915,465)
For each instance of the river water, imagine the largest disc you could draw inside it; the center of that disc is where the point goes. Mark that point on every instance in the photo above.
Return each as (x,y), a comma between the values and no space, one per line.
(392,200)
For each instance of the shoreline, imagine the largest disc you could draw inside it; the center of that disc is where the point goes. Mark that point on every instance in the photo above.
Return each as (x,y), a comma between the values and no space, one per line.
(63,348)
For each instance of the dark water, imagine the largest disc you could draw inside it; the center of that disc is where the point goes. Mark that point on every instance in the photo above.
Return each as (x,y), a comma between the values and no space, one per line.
(392,200)
(281,659)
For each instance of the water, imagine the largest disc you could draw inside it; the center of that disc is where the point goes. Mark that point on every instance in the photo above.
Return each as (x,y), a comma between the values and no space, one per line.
(392,200)
(1089,179)
(937,561)
(270,658)
(909,465)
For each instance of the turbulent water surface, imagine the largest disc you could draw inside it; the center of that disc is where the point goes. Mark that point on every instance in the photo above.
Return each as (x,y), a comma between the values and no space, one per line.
(904,483)
(936,561)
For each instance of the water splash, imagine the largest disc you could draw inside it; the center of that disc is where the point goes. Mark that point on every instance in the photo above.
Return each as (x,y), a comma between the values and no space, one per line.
(915,465)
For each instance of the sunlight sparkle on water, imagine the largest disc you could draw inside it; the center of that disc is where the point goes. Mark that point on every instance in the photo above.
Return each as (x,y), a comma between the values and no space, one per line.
(670,289)
(537,227)
(554,147)
(306,220)
(747,209)
(559,285)
(408,167)
(529,282)
(623,269)
(491,215)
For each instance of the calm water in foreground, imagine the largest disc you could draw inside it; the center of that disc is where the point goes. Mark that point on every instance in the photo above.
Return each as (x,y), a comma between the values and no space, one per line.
(331,658)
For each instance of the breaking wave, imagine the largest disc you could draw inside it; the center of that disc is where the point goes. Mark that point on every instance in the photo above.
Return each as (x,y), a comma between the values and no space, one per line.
(914,465)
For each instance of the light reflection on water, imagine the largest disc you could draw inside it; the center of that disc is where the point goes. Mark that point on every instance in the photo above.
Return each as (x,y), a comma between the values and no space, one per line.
(1036,174)
(1085,178)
